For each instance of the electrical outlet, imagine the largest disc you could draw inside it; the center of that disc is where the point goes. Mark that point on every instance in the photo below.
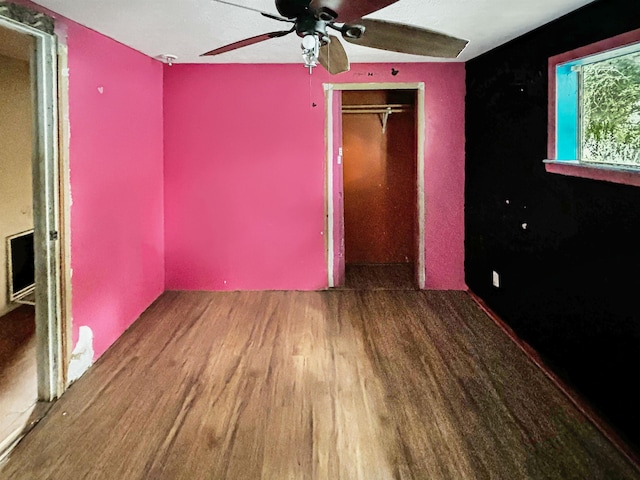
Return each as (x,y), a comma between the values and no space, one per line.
(496,279)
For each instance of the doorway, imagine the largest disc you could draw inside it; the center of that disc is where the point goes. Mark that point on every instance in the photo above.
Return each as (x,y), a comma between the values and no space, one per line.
(32,366)
(18,374)
(379,185)
(375,186)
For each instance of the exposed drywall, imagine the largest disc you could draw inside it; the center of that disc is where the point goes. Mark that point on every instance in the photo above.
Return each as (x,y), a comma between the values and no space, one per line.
(116,149)
(245,173)
(568,281)
(82,355)
(16,147)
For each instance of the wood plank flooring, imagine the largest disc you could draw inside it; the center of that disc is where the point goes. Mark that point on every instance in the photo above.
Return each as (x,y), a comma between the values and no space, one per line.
(379,276)
(314,385)
(18,375)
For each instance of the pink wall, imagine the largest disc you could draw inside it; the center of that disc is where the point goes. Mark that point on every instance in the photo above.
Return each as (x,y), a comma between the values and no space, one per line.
(117,240)
(116,173)
(245,173)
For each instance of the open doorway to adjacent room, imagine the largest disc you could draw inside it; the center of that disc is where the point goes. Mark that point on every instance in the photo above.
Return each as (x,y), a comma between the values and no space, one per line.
(31,312)
(18,374)
(377,187)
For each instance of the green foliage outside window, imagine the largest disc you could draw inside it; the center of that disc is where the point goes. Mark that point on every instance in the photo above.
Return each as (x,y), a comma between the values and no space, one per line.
(611,111)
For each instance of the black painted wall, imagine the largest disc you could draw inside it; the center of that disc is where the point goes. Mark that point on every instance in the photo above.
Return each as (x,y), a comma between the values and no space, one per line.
(570,280)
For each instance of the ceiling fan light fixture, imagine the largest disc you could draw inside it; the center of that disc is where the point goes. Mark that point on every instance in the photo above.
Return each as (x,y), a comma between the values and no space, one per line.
(310,50)
(312,18)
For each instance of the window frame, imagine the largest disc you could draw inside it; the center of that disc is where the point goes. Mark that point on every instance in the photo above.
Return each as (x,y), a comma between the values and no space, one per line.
(564,108)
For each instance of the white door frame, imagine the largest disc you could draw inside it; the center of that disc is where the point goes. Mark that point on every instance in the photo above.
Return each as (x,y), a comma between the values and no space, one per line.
(329,88)
(46,211)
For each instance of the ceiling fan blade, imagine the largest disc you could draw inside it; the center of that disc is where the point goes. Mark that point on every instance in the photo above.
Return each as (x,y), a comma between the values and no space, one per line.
(333,57)
(246,42)
(264,14)
(348,10)
(397,37)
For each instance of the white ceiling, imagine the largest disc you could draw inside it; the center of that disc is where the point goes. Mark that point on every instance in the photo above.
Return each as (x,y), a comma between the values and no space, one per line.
(189,28)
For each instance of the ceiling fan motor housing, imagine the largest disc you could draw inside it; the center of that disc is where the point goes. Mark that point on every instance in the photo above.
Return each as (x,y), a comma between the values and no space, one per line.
(309,25)
(292,8)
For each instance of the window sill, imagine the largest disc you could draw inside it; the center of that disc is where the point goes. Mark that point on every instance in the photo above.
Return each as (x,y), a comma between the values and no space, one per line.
(607,173)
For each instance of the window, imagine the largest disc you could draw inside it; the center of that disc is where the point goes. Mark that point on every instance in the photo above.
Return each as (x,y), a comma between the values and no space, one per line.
(610,102)
(594,109)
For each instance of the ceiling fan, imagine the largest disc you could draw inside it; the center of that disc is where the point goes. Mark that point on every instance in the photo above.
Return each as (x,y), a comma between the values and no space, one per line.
(312,19)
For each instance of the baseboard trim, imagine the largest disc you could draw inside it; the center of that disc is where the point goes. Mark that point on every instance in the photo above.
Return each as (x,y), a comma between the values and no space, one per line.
(8,444)
(571,394)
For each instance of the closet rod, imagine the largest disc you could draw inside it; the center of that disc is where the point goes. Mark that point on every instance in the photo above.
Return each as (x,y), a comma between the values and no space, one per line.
(373,111)
(383,110)
(376,110)
(380,105)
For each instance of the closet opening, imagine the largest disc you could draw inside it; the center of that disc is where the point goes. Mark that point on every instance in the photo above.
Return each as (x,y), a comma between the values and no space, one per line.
(378,188)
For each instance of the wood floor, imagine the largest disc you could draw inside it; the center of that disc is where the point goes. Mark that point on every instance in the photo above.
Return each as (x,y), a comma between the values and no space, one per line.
(348,384)
(380,276)
(18,375)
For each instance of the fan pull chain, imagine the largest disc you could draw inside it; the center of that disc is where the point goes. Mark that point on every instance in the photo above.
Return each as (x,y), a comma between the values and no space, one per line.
(310,95)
